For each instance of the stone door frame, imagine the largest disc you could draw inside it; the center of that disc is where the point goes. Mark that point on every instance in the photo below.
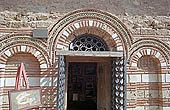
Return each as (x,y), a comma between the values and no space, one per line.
(118,77)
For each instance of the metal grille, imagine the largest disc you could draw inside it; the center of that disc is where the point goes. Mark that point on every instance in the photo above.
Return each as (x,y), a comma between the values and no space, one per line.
(118,100)
(61,83)
(88,42)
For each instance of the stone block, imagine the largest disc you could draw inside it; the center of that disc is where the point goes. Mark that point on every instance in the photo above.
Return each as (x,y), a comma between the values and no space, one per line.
(131,94)
(2,82)
(163,77)
(150,78)
(139,108)
(140,94)
(34,81)
(9,82)
(166,108)
(55,81)
(134,78)
(5,99)
(165,93)
(1,101)
(167,77)
(40,33)
(152,108)
(45,81)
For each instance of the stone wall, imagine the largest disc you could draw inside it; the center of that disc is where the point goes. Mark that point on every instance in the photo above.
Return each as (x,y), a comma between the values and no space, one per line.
(157,26)
(141,27)
(132,7)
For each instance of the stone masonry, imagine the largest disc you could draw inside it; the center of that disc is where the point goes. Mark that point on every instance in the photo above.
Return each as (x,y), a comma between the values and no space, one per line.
(143,28)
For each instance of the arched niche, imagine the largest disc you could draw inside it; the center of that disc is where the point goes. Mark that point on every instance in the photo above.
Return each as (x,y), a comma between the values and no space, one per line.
(150,67)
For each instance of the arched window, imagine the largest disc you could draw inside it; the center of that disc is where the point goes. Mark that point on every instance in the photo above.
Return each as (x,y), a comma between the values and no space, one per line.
(150,68)
(88,42)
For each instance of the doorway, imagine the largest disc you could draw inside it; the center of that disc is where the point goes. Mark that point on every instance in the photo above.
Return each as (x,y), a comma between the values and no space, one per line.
(82,86)
(88,83)
(110,80)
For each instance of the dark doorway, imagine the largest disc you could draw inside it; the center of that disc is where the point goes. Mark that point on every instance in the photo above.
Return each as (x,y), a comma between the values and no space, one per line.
(82,86)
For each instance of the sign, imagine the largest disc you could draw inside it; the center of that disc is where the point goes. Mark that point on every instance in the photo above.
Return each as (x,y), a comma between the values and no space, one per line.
(25,99)
(22,99)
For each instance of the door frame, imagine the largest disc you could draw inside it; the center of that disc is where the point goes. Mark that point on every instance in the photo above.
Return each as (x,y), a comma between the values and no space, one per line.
(118,77)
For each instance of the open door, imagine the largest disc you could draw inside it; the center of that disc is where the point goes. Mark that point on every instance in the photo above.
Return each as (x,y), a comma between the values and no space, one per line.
(103,85)
(111,84)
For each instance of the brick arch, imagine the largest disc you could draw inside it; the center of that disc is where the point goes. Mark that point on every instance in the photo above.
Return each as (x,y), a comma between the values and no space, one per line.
(89,18)
(149,46)
(19,43)
(147,52)
(112,44)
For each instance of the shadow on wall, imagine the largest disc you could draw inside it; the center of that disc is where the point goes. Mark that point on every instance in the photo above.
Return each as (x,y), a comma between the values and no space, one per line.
(37,77)
(151,79)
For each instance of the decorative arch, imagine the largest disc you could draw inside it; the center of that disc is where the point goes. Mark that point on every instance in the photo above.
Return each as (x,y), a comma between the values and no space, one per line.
(152,47)
(84,18)
(88,42)
(23,43)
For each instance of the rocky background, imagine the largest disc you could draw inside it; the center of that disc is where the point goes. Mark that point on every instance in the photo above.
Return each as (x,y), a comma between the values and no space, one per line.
(131,7)
(152,25)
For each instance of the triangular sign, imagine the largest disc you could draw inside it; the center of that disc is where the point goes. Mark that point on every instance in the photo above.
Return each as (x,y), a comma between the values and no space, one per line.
(20,72)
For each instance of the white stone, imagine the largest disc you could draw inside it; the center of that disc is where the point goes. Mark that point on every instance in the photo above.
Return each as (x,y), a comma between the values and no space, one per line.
(90,23)
(148,51)
(145,77)
(34,81)
(9,81)
(157,55)
(114,35)
(163,77)
(120,48)
(152,108)
(2,65)
(59,46)
(135,78)
(2,82)
(66,33)
(8,53)
(163,64)
(71,45)
(131,94)
(1,100)
(36,53)
(149,78)
(165,93)
(127,79)
(45,81)
(168,42)
(167,77)
(117,40)
(55,81)
(77,25)
(166,108)
(23,48)
(139,108)
(5,99)
(139,54)
(43,66)
(134,64)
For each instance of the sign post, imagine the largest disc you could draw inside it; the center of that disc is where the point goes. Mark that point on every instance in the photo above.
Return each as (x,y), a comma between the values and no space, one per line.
(22,99)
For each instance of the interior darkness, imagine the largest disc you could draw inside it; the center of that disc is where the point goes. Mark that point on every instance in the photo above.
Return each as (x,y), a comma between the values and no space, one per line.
(82,86)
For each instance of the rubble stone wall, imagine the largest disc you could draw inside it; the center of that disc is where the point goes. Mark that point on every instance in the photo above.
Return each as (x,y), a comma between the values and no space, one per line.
(144,29)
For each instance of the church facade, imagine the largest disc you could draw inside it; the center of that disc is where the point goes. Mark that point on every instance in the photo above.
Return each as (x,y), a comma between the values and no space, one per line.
(88,55)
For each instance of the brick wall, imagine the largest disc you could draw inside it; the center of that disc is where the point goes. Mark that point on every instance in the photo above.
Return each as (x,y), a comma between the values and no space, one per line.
(147,86)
